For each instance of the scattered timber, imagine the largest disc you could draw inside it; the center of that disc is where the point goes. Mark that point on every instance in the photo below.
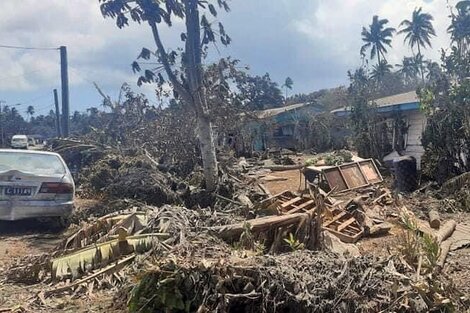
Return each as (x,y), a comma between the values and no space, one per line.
(233,231)
(446,231)
(434,220)
(445,248)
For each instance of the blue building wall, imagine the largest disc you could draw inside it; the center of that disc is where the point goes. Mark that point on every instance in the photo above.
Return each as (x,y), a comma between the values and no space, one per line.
(279,130)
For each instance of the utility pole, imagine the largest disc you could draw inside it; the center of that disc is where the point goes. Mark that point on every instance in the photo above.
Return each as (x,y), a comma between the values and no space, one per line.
(64,75)
(57,114)
(1,122)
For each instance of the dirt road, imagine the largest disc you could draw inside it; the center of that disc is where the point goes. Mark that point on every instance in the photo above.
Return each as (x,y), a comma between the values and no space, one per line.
(31,237)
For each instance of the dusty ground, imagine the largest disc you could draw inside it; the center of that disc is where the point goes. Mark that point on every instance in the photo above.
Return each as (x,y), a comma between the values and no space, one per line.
(30,237)
(294,182)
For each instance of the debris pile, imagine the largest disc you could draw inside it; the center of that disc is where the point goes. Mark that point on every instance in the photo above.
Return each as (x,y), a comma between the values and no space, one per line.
(246,250)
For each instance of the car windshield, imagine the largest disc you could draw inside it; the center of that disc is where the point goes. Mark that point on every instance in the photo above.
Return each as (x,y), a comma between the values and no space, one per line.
(19,139)
(38,164)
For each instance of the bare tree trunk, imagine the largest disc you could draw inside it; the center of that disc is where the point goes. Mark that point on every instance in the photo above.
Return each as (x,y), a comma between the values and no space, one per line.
(421,64)
(209,159)
(193,93)
(198,93)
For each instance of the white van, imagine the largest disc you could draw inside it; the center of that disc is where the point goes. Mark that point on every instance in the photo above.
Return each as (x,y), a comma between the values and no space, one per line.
(19,142)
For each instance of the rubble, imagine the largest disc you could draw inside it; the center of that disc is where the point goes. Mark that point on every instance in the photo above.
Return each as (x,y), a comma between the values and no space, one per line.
(246,250)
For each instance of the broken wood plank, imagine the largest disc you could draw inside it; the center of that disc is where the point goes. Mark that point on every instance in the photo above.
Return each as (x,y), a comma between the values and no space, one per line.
(337,217)
(446,231)
(264,189)
(290,202)
(300,207)
(380,229)
(346,224)
(434,220)
(228,200)
(233,231)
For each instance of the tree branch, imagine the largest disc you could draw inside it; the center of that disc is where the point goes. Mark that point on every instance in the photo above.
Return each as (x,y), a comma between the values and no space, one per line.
(166,65)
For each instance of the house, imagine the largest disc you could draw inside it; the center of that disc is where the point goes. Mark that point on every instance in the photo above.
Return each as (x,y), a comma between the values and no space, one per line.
(281,127)
(406,108)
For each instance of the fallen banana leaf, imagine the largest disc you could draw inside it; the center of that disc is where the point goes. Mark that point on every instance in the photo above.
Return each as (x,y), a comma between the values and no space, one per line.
(113,268)
(78,263)
(100,230)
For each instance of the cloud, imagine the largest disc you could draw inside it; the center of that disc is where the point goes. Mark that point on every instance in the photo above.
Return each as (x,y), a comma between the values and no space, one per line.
(313,41)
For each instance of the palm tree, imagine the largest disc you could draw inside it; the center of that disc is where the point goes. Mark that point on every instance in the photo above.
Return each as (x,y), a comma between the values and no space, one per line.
(288,85)
(376,38)
(418,32)
(459,28)
(408,69)
(434,71)
(379,71)
(30,111)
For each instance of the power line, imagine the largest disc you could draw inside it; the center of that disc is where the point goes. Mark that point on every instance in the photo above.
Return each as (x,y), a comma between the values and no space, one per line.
(26,48)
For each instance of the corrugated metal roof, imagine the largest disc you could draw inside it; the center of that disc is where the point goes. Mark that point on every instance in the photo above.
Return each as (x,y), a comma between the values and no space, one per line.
(407,97)
(399,99)
(277,111)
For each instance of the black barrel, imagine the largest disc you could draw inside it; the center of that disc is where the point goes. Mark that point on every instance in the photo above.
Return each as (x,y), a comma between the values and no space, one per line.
(406,174)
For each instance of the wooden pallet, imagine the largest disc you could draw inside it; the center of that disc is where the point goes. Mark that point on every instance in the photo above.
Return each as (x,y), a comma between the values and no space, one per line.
(344,226)
(288,203)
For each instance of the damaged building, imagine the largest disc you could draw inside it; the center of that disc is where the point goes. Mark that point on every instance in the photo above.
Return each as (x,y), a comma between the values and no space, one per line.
(281,127)
(405,123)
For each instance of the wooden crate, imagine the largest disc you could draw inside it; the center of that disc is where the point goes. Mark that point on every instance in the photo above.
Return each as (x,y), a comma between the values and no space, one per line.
(344,226)
(288,203)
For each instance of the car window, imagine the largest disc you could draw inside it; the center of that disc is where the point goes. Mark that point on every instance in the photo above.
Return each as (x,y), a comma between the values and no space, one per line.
(38,164)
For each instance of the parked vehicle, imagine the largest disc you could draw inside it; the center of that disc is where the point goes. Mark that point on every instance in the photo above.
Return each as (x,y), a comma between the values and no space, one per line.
(31,141)
(19,142)
(35,184)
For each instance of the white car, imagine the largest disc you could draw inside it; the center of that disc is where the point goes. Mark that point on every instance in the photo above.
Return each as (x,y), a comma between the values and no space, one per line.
(35,184)
(19,142)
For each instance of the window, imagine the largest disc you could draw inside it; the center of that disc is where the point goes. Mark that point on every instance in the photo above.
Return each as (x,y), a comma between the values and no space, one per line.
(31,163)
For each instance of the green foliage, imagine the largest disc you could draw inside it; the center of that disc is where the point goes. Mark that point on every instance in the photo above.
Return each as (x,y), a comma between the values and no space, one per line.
(431,250)
(311,161)
(459,28)
(370,133)
(293,243)
(333,160)
(446,102)
(414,246)
(345,155)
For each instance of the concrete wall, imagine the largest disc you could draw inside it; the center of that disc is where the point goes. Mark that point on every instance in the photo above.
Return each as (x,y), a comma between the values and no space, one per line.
(416,124)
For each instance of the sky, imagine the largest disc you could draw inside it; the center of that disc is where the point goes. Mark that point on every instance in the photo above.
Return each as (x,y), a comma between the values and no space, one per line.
(315,42)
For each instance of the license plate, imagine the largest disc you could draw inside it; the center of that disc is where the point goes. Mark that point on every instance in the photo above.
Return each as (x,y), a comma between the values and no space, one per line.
(18,191)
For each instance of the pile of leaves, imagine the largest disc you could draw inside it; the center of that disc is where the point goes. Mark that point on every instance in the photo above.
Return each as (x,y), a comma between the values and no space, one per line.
(131,177)
(300,281)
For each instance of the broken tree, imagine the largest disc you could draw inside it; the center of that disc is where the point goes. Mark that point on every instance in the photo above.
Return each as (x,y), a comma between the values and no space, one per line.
(187,83)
